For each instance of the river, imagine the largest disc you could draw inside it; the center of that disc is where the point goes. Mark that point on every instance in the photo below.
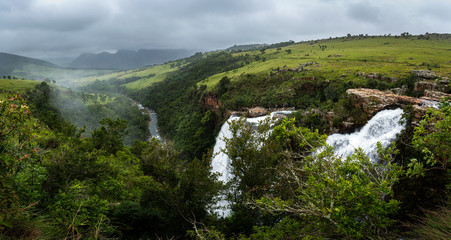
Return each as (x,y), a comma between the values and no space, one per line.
(153,124)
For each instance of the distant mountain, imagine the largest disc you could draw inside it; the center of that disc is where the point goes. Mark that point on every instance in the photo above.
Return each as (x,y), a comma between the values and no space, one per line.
(128,59)
(9,63)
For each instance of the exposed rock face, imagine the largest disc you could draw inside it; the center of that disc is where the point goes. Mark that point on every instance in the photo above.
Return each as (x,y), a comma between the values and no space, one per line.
(259,112)
(373,101)
(211,101)
(423,73)
(256,112)
(435,96)
(430,85)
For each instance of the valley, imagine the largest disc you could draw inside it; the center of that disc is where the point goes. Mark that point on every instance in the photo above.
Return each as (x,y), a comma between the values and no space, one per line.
(81,155)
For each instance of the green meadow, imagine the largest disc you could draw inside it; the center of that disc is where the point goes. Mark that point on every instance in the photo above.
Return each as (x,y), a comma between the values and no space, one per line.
(64,76)
(388,56)
(145,77)
(17,85)
(342,58)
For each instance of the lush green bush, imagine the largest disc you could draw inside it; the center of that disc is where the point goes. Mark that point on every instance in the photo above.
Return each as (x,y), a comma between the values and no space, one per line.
(282,174)
(21,173)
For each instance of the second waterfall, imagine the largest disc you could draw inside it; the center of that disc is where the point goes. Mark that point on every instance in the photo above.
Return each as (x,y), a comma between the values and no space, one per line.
(383,127)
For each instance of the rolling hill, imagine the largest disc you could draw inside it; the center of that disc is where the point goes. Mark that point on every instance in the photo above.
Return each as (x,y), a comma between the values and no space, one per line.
(9,63)
(128,59)
(347,58)
(36,69)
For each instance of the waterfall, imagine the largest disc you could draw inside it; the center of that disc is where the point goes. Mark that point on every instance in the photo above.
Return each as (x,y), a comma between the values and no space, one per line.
(383,127)
(221,162)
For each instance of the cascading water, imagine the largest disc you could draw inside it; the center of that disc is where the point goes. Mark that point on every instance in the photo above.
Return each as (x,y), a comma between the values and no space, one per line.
(221,162)
(383,127)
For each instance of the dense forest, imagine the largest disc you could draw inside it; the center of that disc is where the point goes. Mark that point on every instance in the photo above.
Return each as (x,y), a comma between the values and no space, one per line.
(63,181)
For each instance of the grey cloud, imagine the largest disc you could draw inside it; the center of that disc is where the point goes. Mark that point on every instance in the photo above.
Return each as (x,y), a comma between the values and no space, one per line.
(364,11)
(52,27)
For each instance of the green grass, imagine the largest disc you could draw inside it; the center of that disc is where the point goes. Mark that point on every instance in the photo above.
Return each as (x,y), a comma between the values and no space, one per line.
(146,76)
(389,56)
(17,85)
(434,225)
(63,76)
(342,59)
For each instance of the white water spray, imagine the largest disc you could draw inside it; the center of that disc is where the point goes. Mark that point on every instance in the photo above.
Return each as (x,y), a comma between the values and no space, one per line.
(221,162)
(383,127)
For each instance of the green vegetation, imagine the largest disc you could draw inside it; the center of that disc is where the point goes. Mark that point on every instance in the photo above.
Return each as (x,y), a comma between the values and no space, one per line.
(136,78)
(388,56)
(60,181)
(17,85)
(64,76)
(86,110)
(59,185)
(322,195)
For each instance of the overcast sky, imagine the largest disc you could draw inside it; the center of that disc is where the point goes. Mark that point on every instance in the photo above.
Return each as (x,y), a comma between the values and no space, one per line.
(58,28)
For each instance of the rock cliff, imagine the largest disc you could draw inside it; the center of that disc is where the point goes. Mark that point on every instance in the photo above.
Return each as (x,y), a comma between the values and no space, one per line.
(372,101)
(212,102)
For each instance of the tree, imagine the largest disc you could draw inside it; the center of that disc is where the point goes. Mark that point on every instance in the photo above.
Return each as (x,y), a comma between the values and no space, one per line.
(109,136)
(433,138)
(177,192)
(223,86)
(281,173)
(21,173)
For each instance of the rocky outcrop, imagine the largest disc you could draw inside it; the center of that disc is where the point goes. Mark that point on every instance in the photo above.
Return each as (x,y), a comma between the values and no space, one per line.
(423,74)
(212,102)
(258,111)
(421,86)
(377,76)
(371,101)
(435,96)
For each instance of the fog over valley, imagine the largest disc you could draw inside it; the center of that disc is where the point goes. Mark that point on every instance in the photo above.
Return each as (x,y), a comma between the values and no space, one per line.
(225,119)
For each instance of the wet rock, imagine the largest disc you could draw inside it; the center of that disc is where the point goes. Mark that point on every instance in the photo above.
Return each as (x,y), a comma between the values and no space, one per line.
(257,112)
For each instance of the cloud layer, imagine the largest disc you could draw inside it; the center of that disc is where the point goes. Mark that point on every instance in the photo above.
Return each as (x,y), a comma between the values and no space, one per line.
(57,28)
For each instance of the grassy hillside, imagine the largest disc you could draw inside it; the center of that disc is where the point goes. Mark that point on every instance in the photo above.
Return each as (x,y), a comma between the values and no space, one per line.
(29,68)
(64,76)
(10,62)
(389,56)
(17,85)
(342,58)
(136,78)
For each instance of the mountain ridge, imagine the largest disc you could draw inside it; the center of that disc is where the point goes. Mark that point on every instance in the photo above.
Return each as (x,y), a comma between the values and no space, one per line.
(128,59)
(10,62)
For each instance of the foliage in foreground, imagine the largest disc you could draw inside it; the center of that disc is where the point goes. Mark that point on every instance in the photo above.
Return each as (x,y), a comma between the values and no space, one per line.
(282,180)
(96,187)
(59,185)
